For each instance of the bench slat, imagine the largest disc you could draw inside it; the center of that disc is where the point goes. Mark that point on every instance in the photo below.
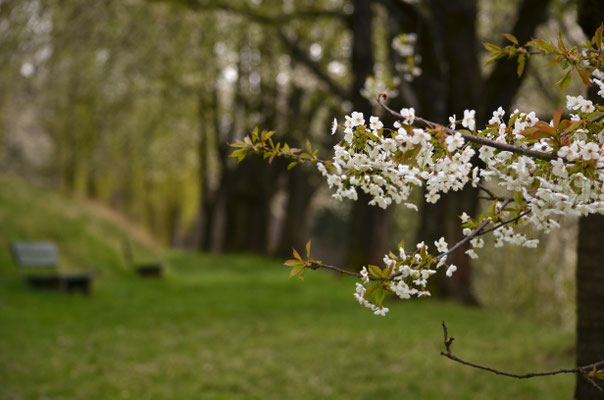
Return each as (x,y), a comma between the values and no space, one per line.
(35,254)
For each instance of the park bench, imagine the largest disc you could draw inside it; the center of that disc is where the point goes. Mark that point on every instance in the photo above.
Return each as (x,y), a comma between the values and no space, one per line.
(145,269)
(38,262)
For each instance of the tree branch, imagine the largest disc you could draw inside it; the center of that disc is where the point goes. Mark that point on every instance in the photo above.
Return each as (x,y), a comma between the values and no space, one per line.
(465,240)
(254,14)
(448,341)
(317,265)
(505,223)
(475,139)
(302,56)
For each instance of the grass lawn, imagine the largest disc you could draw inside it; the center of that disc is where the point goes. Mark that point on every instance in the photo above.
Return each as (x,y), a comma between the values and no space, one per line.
(234,327)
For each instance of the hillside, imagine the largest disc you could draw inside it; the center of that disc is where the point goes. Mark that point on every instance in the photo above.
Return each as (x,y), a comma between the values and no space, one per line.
(89,236)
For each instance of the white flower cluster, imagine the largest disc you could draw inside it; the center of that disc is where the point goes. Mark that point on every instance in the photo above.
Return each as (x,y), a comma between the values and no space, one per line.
(550,189)
(598,79)
(403,44)
(550,170)
(360,296)
(388,164)
(407,274)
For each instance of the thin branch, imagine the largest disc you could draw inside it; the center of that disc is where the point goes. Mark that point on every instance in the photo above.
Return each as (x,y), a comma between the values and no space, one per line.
(302,56)
(448,341)
(279,20)
(505,223)
(489,192)
(473,138)
(597,119)
(455,247)
(465,240)
(263,17)
(317,265)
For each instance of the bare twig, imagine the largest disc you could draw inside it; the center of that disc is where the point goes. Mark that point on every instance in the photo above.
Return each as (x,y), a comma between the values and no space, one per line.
(317,265)
(301,55)
(578,370)
(487,191)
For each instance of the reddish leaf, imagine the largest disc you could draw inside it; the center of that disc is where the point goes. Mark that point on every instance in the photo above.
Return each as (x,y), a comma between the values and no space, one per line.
(557,116)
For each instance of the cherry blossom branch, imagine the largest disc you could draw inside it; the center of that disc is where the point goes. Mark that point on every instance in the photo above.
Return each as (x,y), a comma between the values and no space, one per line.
(583,370)
(477,232)
(504,223)
(465,240)
(317,265)
(457,245)
(472,138)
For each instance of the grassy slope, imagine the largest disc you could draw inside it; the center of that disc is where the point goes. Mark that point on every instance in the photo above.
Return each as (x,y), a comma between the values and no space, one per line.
(233,327)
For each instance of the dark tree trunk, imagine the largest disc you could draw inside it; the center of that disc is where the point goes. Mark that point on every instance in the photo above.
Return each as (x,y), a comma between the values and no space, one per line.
(590,257)
(302,181)
(503,83)
(294,232)
(368,236)
(590,301)
(451,50)
(455,23)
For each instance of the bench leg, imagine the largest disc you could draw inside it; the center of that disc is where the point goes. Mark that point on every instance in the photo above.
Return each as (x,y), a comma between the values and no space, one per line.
(83,286)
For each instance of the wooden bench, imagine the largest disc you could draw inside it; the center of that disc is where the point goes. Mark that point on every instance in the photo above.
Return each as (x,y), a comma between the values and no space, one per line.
(38,262)
(148,269)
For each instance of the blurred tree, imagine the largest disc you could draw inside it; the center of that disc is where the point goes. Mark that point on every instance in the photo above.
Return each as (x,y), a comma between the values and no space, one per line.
(452,81)
(590,252)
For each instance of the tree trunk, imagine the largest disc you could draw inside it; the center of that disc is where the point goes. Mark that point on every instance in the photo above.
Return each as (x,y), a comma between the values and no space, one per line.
(590,257)
(368,236)
(590,301)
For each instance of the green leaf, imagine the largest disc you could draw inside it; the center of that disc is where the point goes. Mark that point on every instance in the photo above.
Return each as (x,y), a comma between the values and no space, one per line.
(561,45)
(296,255)
(239,154)
(565,81)
(542,44)
(491,47)
(295,271)
(379,297)
(521,64)
(518,199)
(292,263)
(512,120)
(291,165)
(584,77)
(308,249)
(511,38)
(371,290)
(375,271)
(598,36)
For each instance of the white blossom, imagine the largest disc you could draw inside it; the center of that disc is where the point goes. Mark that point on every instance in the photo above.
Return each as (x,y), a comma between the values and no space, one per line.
(468,119)
(452,268)
(441,245)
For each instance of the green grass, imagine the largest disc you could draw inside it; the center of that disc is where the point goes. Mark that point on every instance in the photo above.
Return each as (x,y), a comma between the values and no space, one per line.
(233,327)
